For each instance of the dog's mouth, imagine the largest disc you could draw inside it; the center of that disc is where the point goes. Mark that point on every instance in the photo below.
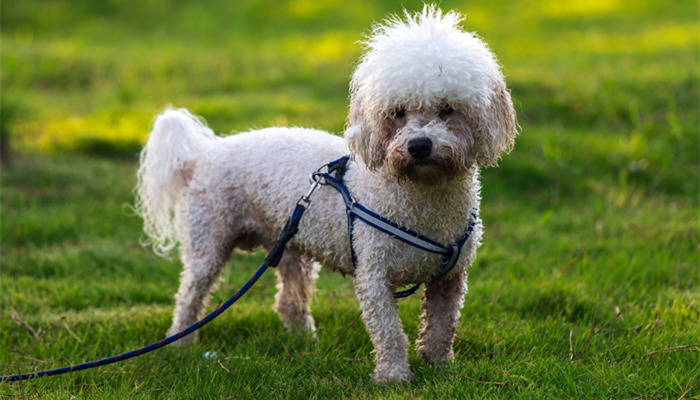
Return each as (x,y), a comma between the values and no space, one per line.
(428,171)
(424,163)
(428,163)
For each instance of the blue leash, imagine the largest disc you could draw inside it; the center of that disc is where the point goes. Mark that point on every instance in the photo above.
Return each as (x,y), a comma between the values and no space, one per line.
(271,260)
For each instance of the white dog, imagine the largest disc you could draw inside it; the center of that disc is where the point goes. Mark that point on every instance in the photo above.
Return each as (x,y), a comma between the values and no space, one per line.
(428,107)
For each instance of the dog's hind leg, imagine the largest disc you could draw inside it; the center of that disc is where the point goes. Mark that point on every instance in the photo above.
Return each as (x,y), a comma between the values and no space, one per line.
(206,246)
(295,275)
(441,304)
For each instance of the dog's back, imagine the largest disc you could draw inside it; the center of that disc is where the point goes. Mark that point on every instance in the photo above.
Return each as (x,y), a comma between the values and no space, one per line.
(256,175)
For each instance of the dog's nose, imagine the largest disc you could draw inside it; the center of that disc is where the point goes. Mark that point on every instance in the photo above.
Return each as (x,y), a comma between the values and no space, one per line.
(420,148)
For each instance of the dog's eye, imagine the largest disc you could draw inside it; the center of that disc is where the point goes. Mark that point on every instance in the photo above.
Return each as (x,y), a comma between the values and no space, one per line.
(445,110)
(400,112)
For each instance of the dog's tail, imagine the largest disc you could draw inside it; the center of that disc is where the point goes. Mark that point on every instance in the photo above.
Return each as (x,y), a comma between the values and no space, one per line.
(174,145)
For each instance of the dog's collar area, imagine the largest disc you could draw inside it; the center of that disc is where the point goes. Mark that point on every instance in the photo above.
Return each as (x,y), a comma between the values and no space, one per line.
(355,210)
(339,167)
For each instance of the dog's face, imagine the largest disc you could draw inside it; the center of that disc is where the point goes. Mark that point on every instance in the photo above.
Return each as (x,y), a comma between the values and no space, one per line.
(428,101)
(426,144)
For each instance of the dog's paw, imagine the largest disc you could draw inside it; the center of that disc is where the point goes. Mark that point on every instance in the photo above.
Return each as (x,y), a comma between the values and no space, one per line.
(392,374)
(437,356)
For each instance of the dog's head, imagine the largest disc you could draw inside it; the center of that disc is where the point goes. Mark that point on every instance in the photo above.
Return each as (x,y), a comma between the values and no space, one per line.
(428,100)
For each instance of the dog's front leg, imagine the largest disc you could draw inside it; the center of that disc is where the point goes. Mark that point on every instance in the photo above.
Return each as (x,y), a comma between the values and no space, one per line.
(380,314)
(441,304)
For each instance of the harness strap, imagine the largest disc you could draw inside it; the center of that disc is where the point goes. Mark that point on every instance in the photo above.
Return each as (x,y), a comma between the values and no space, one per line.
(450,254)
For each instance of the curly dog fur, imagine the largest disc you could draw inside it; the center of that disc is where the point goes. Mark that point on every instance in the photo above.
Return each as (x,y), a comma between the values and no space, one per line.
(428,108)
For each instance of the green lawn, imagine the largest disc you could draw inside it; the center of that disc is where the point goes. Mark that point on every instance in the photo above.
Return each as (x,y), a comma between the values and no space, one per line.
(588,282)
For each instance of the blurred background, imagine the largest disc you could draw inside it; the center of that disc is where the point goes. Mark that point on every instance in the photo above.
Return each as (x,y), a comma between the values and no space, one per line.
(88,76)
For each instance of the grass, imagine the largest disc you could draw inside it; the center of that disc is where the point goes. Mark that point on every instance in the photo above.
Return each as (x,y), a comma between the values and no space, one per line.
(587,285)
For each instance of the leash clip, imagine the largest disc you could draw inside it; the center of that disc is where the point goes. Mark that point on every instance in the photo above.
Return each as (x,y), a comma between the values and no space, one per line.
(318,178)
(315,179)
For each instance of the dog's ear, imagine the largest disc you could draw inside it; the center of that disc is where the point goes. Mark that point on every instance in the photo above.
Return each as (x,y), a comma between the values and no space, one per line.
(361,136)
(353,129)
(498,127)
